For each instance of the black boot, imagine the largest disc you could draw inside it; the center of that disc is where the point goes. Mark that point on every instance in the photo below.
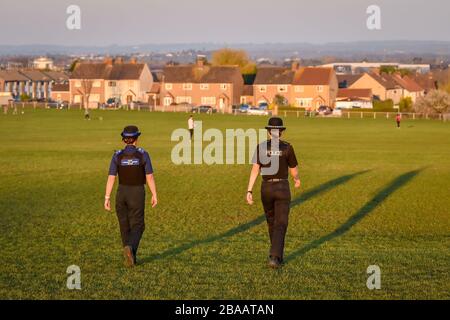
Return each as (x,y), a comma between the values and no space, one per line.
(274,262)
(130,259)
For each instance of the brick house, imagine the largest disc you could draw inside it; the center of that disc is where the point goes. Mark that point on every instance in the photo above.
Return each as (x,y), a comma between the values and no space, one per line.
(14,82)
(60,92)
(303,87)
(354,98)
(383,86)
(386,86)
(97,82)
(314,87)
(199,84)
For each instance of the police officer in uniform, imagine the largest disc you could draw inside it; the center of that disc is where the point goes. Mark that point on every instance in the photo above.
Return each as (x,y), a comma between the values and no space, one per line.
(275,191)
(134,168)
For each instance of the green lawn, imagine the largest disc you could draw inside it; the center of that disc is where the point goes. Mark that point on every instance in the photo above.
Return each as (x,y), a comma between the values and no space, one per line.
(371,195)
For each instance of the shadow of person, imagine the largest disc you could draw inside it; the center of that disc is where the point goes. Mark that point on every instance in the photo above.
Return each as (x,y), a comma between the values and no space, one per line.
(257,221)
(367,208)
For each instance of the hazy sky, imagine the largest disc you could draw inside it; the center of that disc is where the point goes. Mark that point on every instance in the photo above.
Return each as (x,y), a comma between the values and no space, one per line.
(127,22)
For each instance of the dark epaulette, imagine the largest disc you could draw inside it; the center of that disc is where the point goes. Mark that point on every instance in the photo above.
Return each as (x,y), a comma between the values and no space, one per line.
(117,152)
(141,150)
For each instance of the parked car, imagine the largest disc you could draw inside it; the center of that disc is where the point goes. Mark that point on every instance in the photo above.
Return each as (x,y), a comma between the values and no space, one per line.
(57,104)
(263,106)
(203,109)
(324,111)
(257,111)
(112,103)
(244,108)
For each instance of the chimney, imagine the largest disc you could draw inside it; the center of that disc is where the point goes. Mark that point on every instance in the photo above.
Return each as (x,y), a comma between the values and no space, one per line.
(200,61)
(118,60)
(133,60)
(295,65)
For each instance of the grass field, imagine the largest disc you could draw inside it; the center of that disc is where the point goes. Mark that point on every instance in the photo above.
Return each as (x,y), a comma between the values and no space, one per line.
(371,195)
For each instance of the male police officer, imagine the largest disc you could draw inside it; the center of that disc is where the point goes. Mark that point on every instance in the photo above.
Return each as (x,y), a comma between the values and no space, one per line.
(274,158)
(134,167)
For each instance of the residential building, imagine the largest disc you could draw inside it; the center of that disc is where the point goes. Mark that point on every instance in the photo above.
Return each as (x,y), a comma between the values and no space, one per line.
(199,84)
(39,84)
(354,98)
(411,89)
(14,82)
(43,63)
(383,86)
(314,87)
(60,92)
(94,83)
(387,86)
(309,87)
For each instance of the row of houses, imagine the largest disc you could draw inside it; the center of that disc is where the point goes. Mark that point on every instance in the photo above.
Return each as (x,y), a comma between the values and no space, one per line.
(223,86)
(35,84)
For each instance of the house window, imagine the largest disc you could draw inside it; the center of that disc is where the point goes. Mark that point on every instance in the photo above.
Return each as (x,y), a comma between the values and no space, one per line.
(187,86)
(319,88)
(299,89)
(77,98)
(169,86)
(77,84)
(167,101)
(262,88)
(303,103)
(182,99)
(204,86)
(112,84)
(243,100)
(224,86)
(94,98)
(283,88)
(209,100)
(96,84)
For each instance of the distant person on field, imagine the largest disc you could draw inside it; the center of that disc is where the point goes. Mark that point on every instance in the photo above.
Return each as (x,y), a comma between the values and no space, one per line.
(398,119)
(191,125)
(134,168)
(86,114)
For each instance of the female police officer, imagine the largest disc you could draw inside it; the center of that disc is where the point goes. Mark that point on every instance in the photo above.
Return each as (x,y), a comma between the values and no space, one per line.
(134,167)
(274,158)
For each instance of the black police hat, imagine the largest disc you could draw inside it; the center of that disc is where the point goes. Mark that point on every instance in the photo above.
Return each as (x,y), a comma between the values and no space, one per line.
(130,132)
(275,123)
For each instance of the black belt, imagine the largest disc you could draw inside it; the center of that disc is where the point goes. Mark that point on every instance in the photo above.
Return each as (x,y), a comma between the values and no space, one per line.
(275,180)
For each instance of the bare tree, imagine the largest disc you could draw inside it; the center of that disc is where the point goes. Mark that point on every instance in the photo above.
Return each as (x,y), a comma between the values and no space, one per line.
(436,101)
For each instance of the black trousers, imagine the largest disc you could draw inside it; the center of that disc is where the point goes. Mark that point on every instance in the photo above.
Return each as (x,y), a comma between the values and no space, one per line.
(191,132)
(130,206)
(276,199)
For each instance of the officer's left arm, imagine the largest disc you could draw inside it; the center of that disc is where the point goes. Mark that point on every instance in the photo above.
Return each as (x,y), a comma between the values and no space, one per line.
(150,179)
(293,166)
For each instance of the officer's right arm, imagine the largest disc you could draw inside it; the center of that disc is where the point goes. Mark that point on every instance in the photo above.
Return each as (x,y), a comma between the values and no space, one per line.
(110,182)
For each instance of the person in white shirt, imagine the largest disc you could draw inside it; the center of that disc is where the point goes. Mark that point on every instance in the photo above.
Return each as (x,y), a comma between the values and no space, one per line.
(191,125)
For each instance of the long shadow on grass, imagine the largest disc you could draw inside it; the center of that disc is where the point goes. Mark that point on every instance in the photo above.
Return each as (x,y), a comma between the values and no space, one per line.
(244,227)
(359,215)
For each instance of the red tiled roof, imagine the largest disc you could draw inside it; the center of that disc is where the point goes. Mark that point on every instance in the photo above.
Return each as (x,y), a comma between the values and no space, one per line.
(201,74)
(274,75)
(355,93)
(60,87)
(118,71)
(408,83)
(313,76)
